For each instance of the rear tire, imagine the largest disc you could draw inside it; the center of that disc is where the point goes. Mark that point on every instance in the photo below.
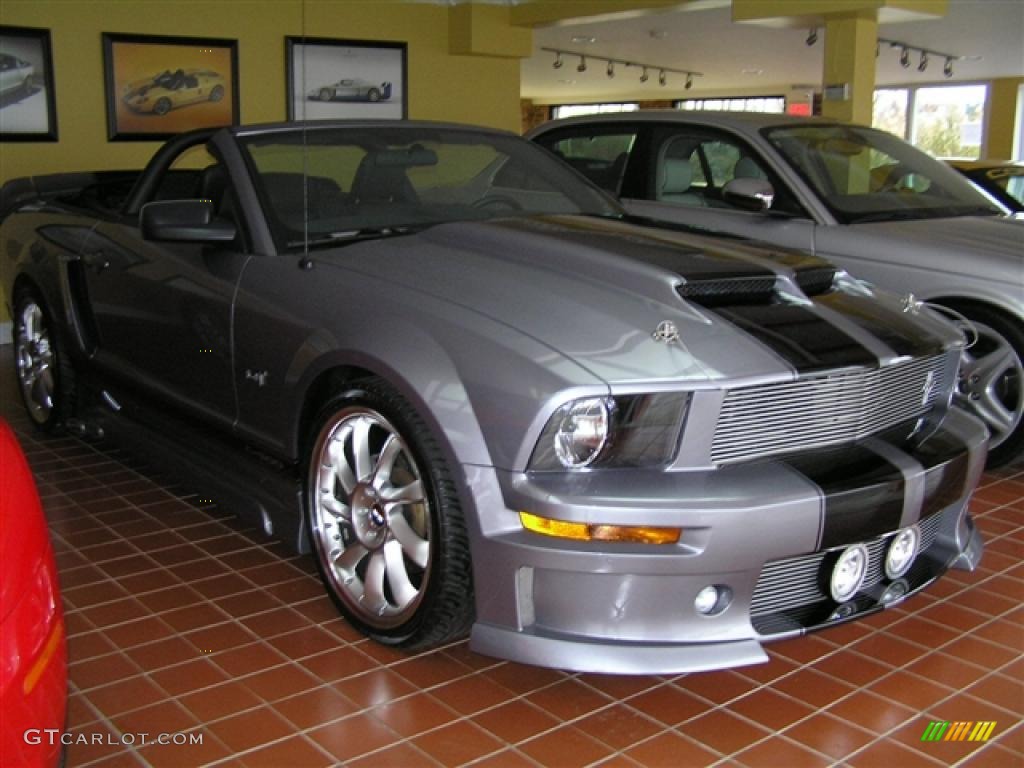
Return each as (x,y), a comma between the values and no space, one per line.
(46,379)
(386,526)
(373,95)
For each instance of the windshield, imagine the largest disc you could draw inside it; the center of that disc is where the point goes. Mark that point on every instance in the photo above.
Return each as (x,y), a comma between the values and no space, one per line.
(866,175)
(327,185)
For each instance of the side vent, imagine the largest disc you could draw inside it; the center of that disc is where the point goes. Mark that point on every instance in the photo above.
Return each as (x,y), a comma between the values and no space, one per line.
(729,291)
(816,281)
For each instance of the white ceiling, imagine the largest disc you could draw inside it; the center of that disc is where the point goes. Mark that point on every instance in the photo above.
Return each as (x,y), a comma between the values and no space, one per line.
(751,59)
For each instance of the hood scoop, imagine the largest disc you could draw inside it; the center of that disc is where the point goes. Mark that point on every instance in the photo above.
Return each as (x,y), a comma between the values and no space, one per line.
(757,289)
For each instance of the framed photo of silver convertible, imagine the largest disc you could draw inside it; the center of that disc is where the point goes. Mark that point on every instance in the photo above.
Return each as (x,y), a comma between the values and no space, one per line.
(335,79)
(161,86)
(28,110)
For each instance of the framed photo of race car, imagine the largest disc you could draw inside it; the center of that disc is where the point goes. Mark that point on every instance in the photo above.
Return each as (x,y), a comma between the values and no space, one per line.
(161,86)
(28,110)
(331,79)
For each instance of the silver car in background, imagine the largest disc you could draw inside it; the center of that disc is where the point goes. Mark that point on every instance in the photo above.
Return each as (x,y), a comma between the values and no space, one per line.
(862,198)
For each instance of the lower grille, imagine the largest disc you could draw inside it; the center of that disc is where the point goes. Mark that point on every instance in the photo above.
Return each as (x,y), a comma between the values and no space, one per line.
(796,582)
(771,419)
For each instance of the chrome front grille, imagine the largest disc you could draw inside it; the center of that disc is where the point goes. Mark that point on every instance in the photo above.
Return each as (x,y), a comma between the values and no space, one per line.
(770,419)
(798,581)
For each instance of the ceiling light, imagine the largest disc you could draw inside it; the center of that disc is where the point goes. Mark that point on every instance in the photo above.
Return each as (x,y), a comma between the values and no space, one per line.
(689,81)
(904,57)
(582,66)
(922,65)
(662,79)
(611,69)
(643,76)
(947,68)
(812,37)
(584,39)
(557,63)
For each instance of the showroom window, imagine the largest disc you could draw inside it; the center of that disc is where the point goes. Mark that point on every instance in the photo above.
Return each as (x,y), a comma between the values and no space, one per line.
(943,120)
(575,110)
(775,104)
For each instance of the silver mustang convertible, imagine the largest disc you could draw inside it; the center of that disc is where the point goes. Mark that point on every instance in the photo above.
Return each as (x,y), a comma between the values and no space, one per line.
(488,400)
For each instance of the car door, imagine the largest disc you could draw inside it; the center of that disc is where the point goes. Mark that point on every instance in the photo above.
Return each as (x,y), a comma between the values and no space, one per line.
(685,169)
(161,311)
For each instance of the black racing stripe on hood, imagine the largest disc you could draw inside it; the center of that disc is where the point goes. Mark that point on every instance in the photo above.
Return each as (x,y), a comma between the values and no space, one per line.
(656,247)
(899,332)
(799,336)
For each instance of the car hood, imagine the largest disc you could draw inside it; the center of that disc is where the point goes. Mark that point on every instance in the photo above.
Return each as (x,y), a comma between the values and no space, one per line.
(991,243)
(597,290)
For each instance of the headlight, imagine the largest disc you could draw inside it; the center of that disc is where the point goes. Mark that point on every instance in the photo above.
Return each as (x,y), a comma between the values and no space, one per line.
(622,431)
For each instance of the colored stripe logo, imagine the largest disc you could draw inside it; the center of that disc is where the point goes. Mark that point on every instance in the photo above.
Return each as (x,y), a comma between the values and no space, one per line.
(938,730)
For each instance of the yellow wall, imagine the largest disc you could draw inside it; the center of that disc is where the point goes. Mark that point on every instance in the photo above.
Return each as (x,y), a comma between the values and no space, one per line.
(471,89)
(1002,117)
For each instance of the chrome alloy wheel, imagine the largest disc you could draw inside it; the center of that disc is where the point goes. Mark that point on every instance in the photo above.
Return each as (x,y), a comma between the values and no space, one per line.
(370,517)
(34,359)
(990,385)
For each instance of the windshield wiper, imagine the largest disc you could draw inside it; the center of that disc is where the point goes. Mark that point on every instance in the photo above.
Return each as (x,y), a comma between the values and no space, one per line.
(347,236)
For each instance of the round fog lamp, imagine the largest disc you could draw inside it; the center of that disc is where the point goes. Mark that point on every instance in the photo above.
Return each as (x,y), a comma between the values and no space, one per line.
(902,551)
(848,573)
(582,432)
(706,600)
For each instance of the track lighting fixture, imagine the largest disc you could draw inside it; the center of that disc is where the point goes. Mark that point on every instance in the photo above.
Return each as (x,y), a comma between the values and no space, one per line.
(906,49)
(645,69)
(812,37)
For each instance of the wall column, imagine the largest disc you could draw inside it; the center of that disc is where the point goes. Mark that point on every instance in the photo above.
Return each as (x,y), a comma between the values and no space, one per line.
(850,43)
(1000,127)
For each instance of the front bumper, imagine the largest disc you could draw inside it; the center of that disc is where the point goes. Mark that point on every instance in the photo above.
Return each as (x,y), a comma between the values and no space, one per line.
(767,531)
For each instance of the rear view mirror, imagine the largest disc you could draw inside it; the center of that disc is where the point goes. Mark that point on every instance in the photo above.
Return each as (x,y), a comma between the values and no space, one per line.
(184,221)
(749,194)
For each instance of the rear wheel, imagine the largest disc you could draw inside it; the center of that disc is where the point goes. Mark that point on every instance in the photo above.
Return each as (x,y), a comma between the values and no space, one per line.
(217,93)
(991,382)
(388,533)
(373,94)
(45,376)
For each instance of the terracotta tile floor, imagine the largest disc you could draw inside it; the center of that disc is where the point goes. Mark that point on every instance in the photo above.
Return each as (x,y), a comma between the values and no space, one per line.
(181,620)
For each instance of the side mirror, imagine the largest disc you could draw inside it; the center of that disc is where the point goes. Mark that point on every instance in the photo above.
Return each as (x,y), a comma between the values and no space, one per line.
(184,221)
(749,194)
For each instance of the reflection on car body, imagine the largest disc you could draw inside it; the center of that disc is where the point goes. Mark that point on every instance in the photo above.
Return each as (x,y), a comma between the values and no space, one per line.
(488,400)
(163,92)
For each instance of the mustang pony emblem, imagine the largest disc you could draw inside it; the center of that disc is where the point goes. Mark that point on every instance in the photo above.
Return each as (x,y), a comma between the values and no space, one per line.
(666,332)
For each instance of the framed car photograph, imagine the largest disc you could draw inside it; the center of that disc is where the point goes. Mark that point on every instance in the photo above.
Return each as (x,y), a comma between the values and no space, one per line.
(160,86)
(332,79)
(28,110)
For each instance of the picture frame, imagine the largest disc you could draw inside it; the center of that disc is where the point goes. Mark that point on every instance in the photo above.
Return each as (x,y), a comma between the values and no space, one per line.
(157,87)
(28,103)
(337,79)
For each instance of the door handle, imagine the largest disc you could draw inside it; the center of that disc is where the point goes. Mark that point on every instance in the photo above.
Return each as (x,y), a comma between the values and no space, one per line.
(96,261)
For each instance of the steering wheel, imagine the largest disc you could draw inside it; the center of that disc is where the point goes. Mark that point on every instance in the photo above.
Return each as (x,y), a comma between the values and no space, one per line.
(498,202)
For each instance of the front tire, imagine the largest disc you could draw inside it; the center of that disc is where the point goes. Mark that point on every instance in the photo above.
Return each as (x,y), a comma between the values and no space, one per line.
(373,95)
(162,106)
(326,94)
(45,376)
(217,93)
(386,526)
(991,382)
